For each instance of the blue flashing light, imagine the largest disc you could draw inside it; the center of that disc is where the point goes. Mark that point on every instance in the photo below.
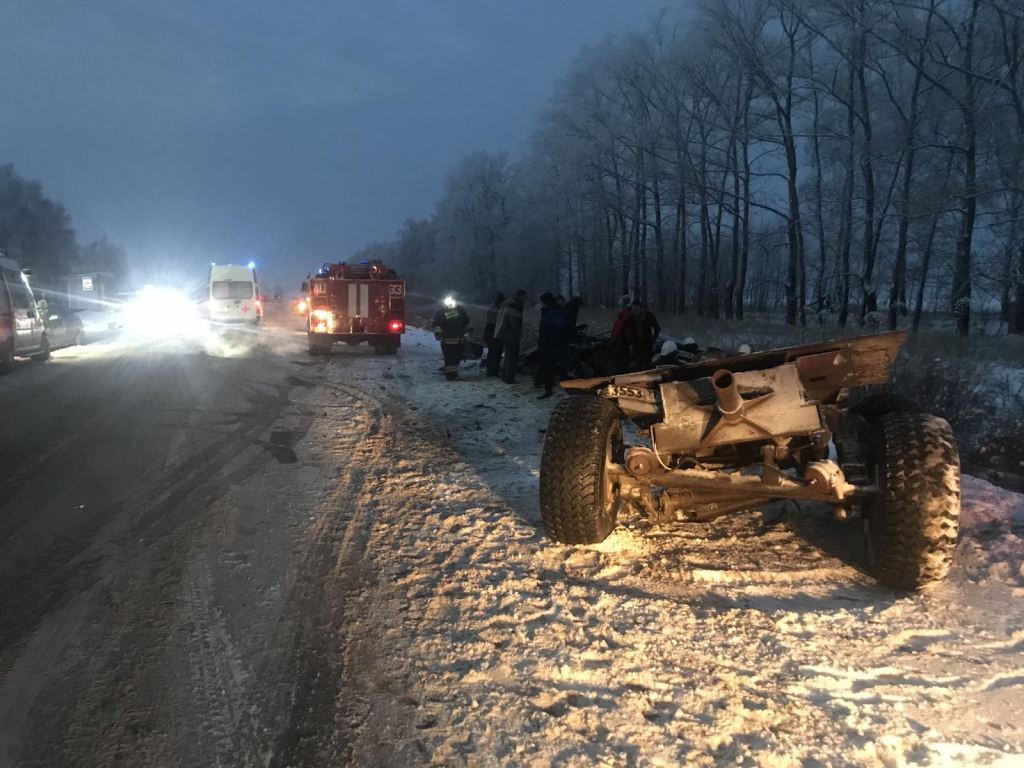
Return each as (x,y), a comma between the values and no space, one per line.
(213,263)
(252,265)
(364,261)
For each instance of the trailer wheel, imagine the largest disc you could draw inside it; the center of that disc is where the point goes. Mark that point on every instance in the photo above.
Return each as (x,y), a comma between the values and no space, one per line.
(578,498)
(913,525)
(315,350)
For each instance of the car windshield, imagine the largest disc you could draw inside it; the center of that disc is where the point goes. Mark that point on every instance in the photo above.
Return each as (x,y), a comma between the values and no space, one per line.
(232,289)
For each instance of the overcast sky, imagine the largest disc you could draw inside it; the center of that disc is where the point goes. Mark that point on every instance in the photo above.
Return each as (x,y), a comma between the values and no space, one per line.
(290,132)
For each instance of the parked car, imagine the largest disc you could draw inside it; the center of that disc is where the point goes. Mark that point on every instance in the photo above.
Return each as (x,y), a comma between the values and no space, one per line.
(64,327)
(22,331)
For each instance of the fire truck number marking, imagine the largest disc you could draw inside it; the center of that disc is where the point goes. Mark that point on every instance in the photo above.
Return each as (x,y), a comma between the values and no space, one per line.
(396,290)
(319,289)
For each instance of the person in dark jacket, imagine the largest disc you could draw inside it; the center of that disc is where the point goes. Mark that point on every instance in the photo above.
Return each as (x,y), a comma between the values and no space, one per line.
(572,312)
(450,325)
(624,339)
(509,329)
(549,343)
(494,344)
(648,331)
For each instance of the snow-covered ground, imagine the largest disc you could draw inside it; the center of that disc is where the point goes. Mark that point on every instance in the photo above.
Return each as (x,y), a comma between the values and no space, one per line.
(751,641)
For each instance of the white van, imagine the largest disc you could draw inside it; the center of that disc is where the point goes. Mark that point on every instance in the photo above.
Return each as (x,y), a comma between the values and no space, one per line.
(234,295)
(22,327)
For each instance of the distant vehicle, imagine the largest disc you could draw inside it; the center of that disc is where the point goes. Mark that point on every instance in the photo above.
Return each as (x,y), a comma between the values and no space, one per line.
(64,327)
(234,295)
(353,303)
(299,306)
(22,331)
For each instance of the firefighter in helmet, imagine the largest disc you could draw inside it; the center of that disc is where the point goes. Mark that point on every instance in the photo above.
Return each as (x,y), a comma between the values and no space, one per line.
(450,325)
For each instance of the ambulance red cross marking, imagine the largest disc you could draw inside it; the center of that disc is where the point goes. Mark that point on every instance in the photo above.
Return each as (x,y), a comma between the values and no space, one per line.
(245,308)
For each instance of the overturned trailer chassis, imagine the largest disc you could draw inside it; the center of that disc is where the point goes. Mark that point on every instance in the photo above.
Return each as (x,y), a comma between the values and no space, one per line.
(735,440)
(726,435)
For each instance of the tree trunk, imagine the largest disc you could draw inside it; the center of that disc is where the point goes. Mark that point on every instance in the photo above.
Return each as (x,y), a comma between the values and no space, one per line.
(683,252)
(608,292)
(961,297)
(741,286)
(660,298)
(705,233)
(716,250)
(926,261)
(819,209)
(793,224)
(1018,319)
(868,289)
(734,267)
(846,227)
(784,114)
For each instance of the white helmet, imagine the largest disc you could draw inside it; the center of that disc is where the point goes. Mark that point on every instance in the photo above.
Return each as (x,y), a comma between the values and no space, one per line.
(744,349)
(688,341)
(669,348)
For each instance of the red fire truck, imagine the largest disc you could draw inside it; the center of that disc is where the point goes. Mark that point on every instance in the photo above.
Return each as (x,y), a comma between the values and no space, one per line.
(353,303)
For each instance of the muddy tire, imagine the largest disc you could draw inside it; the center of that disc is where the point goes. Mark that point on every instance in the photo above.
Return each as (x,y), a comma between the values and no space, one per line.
(578,503)
(879,404)
(912,528)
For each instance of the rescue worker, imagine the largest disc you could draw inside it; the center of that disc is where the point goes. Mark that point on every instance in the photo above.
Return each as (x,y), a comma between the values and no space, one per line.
(494,344)
(624,339)
(649,329)
(549,343)
(509,329)
(450,325)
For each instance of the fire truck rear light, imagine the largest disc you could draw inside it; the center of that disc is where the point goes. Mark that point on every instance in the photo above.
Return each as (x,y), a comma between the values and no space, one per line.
(397,326)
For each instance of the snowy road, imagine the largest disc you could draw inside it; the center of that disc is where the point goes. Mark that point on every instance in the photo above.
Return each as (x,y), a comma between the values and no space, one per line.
(267,559)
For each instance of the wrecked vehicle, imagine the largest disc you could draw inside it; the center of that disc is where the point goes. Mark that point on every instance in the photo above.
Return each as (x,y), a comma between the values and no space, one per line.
(727,435)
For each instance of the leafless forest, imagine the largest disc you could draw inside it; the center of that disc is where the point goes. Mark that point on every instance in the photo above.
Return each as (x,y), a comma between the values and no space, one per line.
(839,163)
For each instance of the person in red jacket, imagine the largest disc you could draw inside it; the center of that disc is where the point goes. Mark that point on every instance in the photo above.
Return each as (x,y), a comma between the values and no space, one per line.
(624,339)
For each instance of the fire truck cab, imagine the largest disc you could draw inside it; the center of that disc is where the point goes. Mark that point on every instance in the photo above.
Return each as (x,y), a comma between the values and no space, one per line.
(353,303)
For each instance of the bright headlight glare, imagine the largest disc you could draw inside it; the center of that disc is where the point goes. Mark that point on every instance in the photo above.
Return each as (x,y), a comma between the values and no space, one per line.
(159,312)
(321,314)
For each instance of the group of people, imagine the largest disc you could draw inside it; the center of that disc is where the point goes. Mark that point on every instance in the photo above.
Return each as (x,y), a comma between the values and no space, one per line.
(633,338)
(503,332)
